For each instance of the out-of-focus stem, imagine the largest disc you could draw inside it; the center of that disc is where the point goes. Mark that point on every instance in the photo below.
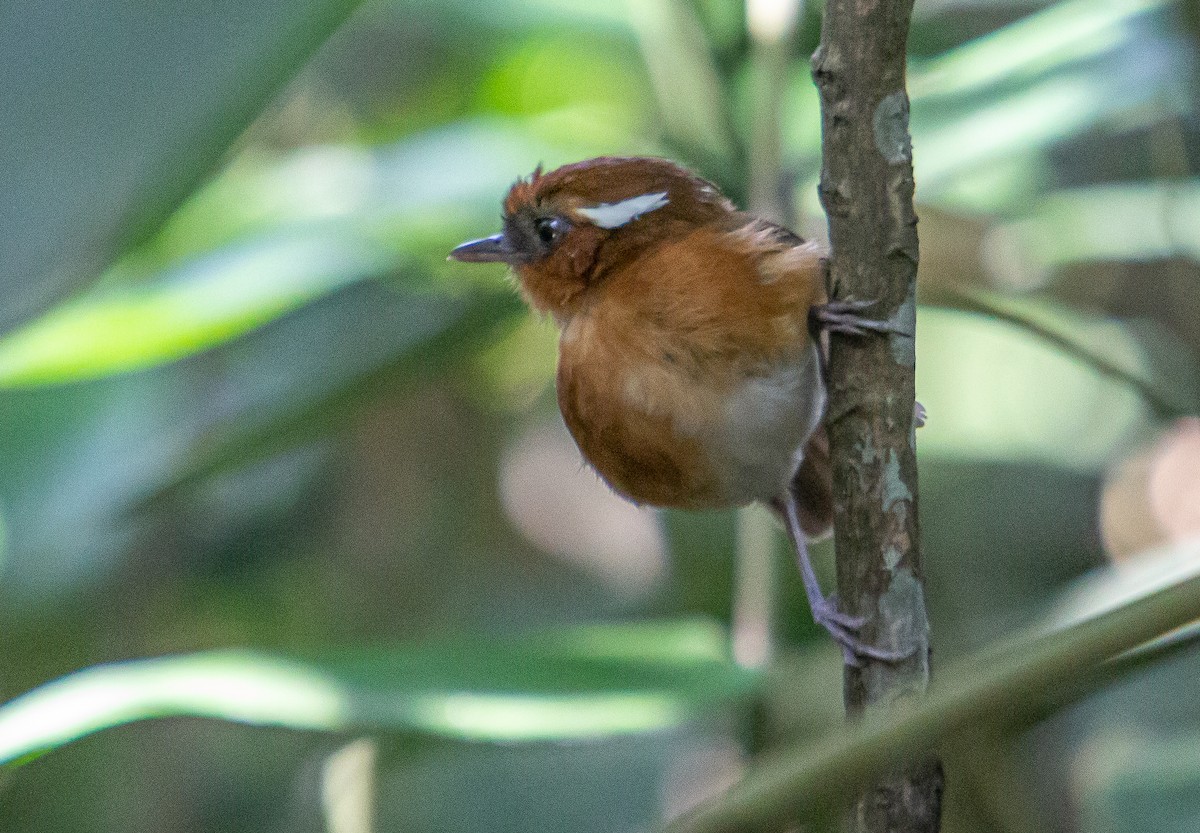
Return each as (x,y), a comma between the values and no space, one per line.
(771,23)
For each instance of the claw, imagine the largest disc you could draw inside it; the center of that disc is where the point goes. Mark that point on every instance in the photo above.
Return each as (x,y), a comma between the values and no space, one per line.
(844,317)
(844,629)
(832,613)
(855,650)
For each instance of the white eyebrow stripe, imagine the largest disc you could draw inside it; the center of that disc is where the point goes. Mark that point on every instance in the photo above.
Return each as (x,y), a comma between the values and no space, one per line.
(617,214)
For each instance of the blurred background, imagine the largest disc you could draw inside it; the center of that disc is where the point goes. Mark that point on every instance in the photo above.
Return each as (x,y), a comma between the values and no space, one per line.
(245,403)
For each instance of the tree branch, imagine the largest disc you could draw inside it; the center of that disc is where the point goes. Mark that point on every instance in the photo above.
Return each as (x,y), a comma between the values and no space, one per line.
(867,189)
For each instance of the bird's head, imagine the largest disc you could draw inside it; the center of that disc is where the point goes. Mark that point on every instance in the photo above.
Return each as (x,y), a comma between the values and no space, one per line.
(565,230)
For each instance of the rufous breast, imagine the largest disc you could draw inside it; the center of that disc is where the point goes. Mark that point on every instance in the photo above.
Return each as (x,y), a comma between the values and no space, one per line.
(688,379)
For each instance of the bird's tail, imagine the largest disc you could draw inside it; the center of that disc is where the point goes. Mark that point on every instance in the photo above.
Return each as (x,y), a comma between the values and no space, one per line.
(812,486)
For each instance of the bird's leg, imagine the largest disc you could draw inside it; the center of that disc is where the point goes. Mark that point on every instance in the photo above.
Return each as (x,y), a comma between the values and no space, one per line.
(841,626)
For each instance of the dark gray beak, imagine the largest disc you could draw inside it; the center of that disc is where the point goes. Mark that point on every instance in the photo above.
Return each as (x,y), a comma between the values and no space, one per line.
(494,249)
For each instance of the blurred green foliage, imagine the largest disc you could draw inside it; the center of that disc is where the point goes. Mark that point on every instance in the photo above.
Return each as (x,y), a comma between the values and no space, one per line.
(582,683)
(252,423)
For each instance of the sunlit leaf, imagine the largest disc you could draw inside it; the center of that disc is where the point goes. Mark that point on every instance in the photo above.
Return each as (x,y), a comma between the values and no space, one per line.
(523,15)
(586,683)
(449,180)
(197,307)
(1009,95)
(600,97)
(1020,122)
(1138,221)
(984,114)
(1107,348)
(1107,590)
(269,236)
(996,391)
(1061,34)
(113,113)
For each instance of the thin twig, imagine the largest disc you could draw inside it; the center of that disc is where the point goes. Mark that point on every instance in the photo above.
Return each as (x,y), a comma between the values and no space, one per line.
(772,25)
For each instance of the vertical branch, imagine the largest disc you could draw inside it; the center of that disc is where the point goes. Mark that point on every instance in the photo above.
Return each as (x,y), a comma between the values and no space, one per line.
(867,189)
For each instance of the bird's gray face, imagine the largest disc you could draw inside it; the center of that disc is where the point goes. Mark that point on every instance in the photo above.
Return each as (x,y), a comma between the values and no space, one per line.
(529,236)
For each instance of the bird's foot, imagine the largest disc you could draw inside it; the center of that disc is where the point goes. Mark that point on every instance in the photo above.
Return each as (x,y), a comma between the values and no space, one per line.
(846,317)
(826,611)
(844,629)
(831,612)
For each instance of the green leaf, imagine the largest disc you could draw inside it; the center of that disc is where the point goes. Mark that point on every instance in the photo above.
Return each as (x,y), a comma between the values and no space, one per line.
(688,86)
(191,308)
(1041,404)
(114,112)
(440,331)
(1063,364)
(586,683)
(1061,34)
(420,194)
(1129,222)
(985,113)
(1132,783)
(269,236)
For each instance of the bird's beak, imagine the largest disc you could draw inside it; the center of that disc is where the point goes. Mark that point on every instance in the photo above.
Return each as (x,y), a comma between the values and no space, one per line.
(494,249)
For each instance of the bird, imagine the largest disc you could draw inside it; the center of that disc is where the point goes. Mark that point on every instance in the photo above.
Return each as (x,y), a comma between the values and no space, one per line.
(691,372)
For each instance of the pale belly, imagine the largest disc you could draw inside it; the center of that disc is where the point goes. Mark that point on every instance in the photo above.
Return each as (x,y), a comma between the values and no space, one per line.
(764,427)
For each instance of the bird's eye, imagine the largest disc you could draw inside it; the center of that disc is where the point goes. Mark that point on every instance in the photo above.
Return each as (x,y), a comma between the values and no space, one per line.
(550,229)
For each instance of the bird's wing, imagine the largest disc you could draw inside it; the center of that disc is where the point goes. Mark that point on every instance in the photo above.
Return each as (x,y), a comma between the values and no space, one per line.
(783,236)
(767,231)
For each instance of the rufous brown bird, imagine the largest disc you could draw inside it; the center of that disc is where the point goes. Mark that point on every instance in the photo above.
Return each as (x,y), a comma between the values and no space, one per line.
(690,370)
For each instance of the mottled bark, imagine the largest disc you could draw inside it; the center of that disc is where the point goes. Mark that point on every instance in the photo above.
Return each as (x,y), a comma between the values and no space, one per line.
(867,190)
